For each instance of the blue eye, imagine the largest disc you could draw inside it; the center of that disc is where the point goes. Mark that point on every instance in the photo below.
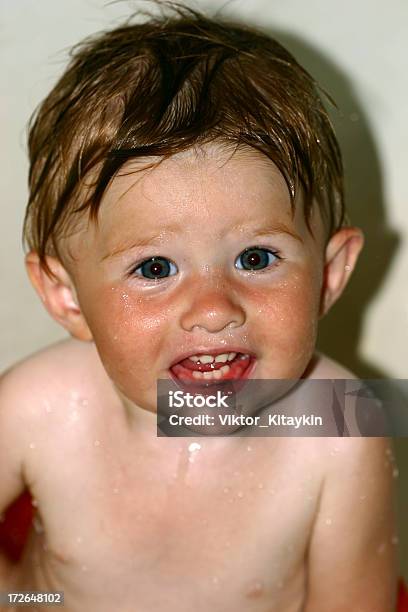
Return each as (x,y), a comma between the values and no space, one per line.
(156,268)
(256,258)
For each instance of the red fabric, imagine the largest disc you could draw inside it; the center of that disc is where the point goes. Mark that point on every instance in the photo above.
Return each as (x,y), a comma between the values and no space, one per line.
(402,600)
(15,526)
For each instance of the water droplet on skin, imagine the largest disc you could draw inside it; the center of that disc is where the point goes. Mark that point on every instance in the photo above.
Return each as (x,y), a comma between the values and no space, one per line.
(84,402)
(260,486)
(395,473)
(79,540)
(215,579)
(115,490)
(74,416)
(226,490)
(249,448)
(240,494)
(193,447)
(97,443)
(34,502)
(37,524)
(328,521)
(47,406)
(256,589)
(31,445)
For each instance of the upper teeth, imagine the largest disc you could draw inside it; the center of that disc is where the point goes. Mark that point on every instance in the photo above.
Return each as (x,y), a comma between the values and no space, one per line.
(210,358)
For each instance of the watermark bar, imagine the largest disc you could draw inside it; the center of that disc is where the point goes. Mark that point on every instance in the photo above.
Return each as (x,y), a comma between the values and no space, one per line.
(309,407)
(32,598)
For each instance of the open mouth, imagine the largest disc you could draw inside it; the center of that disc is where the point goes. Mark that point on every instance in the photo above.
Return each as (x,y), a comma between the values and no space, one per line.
(208,370)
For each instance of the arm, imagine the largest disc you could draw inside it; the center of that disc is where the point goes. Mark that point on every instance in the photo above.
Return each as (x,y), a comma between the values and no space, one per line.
(352,553)
(11,451)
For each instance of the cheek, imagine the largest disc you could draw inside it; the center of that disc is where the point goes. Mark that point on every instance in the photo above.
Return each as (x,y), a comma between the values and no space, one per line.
(287,317)
(127,330)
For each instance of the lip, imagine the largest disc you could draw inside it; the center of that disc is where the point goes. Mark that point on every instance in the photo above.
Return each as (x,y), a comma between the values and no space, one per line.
(213,351)
(233,384)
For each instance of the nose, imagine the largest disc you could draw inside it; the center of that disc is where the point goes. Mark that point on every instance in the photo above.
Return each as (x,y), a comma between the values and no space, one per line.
(213,309)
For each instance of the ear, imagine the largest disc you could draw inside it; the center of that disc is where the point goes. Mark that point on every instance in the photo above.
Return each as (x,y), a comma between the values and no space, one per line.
(58,294)
(341,256)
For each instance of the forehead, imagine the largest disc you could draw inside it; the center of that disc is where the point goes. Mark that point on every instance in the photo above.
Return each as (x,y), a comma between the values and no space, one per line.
(207,183)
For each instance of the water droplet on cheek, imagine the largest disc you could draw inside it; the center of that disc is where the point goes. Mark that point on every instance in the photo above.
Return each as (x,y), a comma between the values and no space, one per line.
(256,589)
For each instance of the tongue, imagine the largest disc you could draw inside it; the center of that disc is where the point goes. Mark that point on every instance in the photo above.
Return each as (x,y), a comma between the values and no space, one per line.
(206,367)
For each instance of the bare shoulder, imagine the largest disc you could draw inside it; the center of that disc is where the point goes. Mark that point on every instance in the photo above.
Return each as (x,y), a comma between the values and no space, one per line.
(48,374)
(323,367)
(25,389)
(354,451)
(66,352)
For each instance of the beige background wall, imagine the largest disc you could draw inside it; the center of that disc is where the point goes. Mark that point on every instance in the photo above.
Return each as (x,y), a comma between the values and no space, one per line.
(356,50)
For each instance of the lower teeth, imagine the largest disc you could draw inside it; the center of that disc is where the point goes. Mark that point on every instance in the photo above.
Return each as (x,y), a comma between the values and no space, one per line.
(214,375)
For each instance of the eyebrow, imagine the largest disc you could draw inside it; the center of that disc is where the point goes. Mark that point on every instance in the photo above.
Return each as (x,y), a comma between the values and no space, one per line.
(156,238)
(267,230)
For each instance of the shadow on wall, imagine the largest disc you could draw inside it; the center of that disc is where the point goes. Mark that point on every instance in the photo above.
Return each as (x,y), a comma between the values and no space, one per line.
(340,330)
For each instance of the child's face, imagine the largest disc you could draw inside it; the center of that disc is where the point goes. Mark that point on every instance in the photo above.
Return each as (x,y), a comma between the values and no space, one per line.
(199,214)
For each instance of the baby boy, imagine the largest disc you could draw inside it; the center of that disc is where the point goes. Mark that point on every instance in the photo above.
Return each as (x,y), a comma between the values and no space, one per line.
(186,209)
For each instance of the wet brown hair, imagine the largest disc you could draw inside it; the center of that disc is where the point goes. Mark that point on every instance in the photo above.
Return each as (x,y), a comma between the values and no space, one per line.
(157,88)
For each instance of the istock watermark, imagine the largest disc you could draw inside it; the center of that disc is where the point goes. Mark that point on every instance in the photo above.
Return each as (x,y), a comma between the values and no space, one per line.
(179,399)
(305,407)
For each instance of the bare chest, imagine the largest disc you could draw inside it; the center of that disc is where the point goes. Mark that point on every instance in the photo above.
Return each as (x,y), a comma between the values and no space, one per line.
(232,531)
